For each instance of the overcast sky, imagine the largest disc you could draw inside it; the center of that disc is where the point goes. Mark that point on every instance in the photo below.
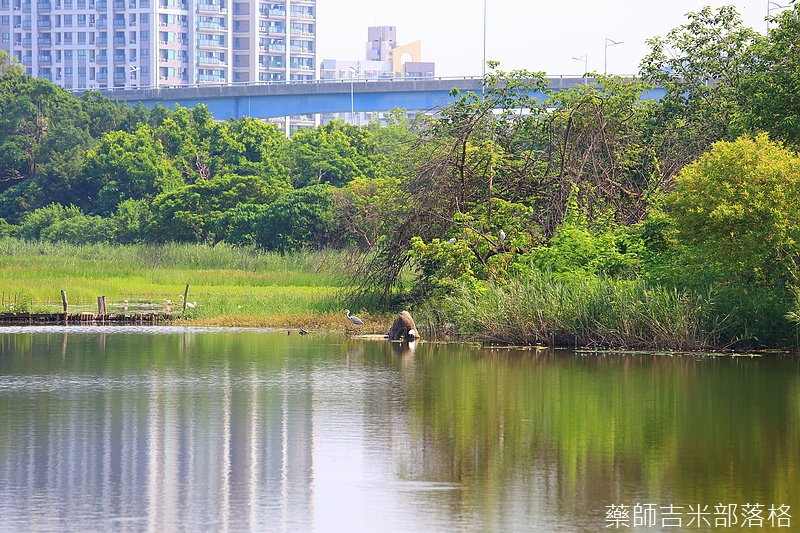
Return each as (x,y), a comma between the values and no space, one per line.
(532,34)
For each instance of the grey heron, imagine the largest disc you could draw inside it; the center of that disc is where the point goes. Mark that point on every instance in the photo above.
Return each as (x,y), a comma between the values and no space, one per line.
(354,319)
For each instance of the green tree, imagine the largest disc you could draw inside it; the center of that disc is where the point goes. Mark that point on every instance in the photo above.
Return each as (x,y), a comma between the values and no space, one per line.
(368,209)
(25,119)
(126,166)
(736,211)
(334,153)
(195,213)
(701,65)
(300,219)
(771,89)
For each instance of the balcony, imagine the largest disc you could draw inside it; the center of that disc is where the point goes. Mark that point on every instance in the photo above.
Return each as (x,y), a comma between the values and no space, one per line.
(44,6)
(272,30)
(101,58)
(210,42)
(212,8)
(102,76)
(102,23)
(210,61)
(216,26)
(119,23)
(102,40)
(42,41)
(210,78)
(101,4)
(119,4)
(45,59)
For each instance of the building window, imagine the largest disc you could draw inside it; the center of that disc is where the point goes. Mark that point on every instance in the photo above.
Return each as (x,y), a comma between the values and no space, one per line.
(81,37)
(81,72)
(6,20)
(144,36)
(81,55)
(67,21)
(68,55)
(145,53)
(6,37)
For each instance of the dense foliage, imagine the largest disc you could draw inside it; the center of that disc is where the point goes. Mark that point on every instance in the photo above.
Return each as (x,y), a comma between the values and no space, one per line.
(658,222)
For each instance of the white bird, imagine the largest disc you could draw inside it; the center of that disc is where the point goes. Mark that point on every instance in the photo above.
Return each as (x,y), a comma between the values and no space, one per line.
(354,319)
(452,241)
(502,236)
(190,305)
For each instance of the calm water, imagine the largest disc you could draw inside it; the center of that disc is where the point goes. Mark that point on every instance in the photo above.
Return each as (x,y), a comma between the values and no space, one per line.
(172,429)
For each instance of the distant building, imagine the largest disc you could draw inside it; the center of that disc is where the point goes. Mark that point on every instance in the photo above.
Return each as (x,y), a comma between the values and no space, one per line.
(103,44)
(385,59)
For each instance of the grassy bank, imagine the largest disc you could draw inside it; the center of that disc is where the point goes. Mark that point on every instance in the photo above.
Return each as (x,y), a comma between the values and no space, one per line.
(586,311)
(228,286)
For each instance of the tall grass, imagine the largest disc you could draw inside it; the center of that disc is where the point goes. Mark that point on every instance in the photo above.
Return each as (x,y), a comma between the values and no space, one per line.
(580,310)
(228,285)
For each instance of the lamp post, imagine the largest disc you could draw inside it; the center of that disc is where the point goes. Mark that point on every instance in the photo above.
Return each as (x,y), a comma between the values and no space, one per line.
(609,42)
(353,70)
(585,59)
(483,71)
(771,9)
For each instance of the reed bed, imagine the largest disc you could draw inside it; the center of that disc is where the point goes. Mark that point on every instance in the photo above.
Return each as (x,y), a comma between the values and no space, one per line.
(582,311)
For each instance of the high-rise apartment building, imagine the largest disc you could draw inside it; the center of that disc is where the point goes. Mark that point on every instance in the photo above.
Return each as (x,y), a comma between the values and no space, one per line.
(96,44)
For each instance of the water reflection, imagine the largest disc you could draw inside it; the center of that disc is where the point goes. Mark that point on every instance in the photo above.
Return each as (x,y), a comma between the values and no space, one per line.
(185,429)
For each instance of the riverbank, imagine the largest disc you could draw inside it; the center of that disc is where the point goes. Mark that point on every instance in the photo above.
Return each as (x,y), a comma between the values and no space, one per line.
(227,286)
(238,287)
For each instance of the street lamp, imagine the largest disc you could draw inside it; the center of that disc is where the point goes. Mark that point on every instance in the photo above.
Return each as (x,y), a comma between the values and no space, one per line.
(770,9)
(483,71)
(585,59)
(353,70)
(609,42)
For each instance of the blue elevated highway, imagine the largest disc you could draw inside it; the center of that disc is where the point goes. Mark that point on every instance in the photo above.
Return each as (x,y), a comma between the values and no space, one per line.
(267,100)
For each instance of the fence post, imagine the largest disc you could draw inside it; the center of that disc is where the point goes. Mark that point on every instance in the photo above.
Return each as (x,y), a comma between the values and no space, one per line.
(185,296)
(64,305)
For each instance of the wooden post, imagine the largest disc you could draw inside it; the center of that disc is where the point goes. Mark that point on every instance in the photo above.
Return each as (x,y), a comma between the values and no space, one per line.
(101,305)
(64,305)
(185,296)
